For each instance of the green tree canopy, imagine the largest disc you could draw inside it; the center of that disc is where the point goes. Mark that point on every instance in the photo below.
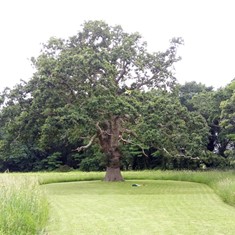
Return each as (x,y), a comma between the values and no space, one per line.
(86,86)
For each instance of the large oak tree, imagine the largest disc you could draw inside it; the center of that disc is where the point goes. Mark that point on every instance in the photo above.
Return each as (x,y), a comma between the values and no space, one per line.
(85,90)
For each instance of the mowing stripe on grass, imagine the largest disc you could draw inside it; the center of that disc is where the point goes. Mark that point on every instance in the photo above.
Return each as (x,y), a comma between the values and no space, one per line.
(156,207)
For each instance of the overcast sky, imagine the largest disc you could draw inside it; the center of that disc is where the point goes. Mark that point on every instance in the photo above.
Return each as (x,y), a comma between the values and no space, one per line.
(207,27)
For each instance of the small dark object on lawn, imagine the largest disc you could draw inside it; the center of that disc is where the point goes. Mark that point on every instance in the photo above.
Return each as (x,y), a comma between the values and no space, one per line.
(136,185)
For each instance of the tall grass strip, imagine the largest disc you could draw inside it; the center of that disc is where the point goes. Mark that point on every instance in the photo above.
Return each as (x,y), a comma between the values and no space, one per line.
(23,206)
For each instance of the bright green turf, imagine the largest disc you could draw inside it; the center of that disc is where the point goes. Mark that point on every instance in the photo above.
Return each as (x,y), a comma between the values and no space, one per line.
(156,207)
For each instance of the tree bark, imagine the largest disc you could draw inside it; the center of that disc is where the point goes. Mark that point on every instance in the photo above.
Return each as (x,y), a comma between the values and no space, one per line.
(113,174)
(108,133)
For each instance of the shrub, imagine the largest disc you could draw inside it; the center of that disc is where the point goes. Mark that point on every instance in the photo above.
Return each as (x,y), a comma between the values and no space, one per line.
(214,161)
(91,164)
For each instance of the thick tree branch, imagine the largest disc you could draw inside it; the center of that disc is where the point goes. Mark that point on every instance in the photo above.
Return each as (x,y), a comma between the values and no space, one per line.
(102,131)
(99,128)
(167,152)
(145,81)
(86,146)
(122,73)
(192,158)
(129,132)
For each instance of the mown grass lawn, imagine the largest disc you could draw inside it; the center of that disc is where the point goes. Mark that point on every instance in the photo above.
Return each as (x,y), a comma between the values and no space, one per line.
(156,207)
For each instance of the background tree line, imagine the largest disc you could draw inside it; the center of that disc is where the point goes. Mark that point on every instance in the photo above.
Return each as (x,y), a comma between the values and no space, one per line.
(100,99)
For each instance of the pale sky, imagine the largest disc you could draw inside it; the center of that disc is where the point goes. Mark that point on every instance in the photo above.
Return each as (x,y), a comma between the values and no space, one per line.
(207,27)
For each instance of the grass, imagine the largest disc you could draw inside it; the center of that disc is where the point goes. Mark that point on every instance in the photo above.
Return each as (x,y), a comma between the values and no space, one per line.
(23,207)
(222,182)
(58,177)
(156,207)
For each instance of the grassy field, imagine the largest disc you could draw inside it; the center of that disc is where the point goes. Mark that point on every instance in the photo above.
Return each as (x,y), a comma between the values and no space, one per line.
(168,202)
(155,207)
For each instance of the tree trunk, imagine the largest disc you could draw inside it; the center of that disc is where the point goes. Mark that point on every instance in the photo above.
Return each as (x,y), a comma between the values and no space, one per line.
(108,134)
(113,174)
